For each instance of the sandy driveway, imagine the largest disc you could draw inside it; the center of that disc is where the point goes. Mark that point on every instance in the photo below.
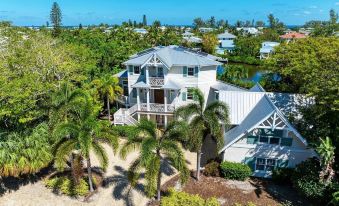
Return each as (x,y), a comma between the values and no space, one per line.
(38,195)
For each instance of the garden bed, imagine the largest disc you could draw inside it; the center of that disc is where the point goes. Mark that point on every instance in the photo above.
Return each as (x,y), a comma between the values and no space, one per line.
(230,192)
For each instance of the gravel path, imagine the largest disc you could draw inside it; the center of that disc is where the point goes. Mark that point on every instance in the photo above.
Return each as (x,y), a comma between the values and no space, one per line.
(37,194)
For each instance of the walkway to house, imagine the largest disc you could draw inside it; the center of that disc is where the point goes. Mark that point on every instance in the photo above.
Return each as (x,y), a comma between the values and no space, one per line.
(37,194)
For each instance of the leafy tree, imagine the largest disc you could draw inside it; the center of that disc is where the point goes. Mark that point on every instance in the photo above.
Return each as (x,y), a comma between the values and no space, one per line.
(204,121)
(211,22)
(259,23)
(156,146)
(247,46)
(81,136)
(156,23)
(56,18)
(274,23)
(209,43)
(198,22)
(326,152)
(109,89)
(31,70)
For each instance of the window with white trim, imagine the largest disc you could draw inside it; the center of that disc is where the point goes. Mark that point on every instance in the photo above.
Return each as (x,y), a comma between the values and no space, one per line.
(190,71)
(265,164)
(189,94)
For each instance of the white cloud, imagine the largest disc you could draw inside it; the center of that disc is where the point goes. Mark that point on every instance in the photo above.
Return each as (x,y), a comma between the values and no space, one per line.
(307,12)
(313,7)
(337,3)
(321,10)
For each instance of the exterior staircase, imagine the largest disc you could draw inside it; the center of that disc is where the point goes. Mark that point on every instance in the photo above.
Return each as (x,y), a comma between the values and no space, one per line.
(125,116)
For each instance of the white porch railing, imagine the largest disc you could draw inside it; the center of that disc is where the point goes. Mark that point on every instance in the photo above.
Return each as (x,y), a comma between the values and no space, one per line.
(154,107)
(156,81)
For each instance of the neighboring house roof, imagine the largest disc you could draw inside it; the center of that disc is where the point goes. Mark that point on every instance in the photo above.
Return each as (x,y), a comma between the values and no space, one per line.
(174,56)
(262,110)
(293,35)
(226,35)
(187,33)
(141,84)
(266,49)
(140,30)
(193,39)
(122,74)
(257,88)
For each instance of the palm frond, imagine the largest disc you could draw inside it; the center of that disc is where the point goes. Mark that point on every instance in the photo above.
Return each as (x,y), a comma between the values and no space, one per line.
(101,154)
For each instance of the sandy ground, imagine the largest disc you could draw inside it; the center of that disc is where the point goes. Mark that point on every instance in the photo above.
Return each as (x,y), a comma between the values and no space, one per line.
(38,195)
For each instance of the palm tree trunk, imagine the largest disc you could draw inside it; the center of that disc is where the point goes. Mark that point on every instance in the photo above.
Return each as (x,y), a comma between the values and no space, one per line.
(89,173)
(108,110)
(198,164)
(159,186)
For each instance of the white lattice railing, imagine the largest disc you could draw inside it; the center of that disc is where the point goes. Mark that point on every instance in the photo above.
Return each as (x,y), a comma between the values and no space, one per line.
(154,107)
(156,81)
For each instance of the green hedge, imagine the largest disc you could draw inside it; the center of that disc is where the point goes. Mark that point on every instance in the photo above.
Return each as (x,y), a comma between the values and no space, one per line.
(66,186)
(235,171)
(125,131)
(184,199)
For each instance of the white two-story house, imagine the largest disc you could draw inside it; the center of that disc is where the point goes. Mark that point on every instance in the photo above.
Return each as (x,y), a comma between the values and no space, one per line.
(158,80)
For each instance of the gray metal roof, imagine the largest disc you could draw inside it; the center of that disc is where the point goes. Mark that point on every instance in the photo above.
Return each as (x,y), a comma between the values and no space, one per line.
(219,85)
(263,109)
(174,56)
(171,85)
(257,88)
(140,84)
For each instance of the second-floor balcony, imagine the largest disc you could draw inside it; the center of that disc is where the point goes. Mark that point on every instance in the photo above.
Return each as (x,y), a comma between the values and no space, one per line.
(159,108)
(156,81)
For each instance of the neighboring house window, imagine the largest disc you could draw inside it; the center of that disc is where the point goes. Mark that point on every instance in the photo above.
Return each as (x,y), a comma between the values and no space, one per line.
(125,90)
(268,136)
(124,82)
(190,72)
(136,70)
(216,95)
(265,164)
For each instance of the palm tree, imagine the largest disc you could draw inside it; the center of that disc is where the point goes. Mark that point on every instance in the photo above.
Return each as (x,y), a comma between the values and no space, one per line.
(81,136)
(155,147)
(203,121)
(108,88)
(326,152)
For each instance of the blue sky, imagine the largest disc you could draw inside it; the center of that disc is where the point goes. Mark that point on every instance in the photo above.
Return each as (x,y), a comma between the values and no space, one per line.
(180,12)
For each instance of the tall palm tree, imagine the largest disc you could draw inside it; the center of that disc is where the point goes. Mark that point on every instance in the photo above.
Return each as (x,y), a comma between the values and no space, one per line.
(155,147)
(203,121)
(83,135)
(108,88)
(326,152)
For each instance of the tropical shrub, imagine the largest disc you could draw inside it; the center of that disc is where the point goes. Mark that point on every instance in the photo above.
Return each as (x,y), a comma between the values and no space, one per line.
(307,182)
(183,199)
(282,175)
(235,171)
(212,169)
(125,131)
(67,186)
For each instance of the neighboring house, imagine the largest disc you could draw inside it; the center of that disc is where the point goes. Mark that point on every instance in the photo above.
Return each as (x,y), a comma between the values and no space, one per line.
(292,35)
(189,37)
(159,80)
(267,48)
(140,31)
(248,30)
(205,29)
(226,43)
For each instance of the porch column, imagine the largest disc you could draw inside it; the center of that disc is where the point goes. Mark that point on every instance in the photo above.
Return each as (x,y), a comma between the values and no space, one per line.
(165,99)
(165,121)
(148,106)
(138,98)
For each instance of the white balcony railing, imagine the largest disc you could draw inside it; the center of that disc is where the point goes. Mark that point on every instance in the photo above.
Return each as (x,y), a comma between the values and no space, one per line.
(154,107)
(156,81)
